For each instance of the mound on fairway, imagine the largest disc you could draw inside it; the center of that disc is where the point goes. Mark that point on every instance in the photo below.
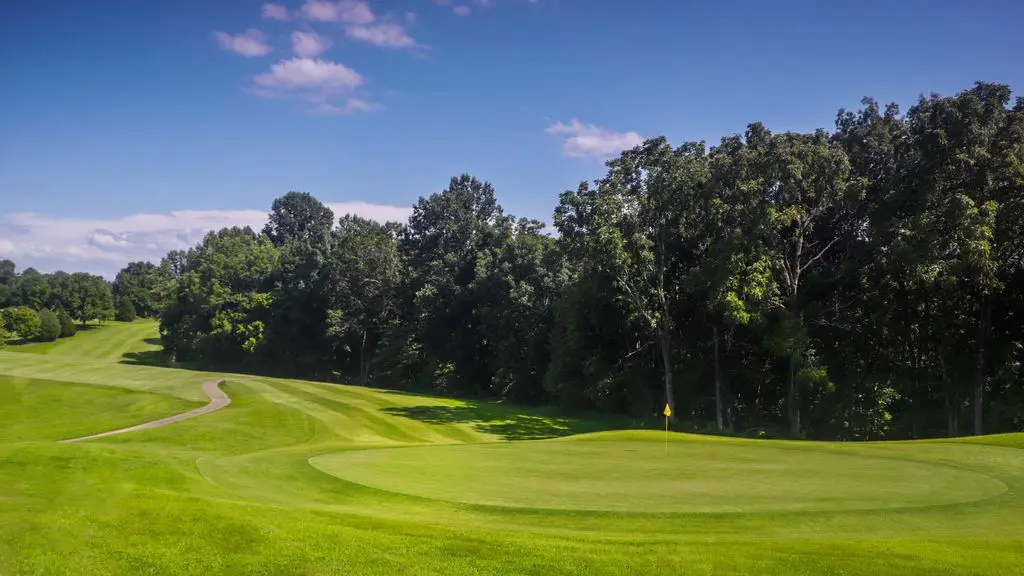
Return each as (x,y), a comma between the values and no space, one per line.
(641,476)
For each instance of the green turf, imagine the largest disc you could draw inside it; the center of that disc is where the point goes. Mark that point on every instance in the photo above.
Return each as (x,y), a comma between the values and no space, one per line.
(49,410)
(644,476)
(302,478)
(130,342)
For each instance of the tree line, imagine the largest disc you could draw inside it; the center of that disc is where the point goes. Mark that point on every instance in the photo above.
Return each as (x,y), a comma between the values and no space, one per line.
(860,283)
(44,307)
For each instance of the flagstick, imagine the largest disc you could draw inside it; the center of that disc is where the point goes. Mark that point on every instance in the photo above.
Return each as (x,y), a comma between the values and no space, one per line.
(666,435)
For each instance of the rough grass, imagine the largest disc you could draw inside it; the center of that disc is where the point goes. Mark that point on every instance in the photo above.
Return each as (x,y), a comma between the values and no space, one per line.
(302,478)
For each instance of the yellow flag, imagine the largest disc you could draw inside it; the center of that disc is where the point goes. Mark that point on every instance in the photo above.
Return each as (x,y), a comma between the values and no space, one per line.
(668,411)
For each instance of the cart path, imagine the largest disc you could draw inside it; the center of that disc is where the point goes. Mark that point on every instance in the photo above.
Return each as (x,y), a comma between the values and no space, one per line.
(218,400)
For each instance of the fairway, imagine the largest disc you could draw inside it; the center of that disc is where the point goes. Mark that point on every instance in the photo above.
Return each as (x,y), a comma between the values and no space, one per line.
(295,477)
(128,341)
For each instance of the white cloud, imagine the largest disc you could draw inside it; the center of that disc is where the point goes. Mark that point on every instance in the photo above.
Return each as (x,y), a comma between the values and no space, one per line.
(250,43)
(384,35)
(328,87)
(588,140)
(347,11)
(307,73)
(461,10)
(309,43)
(104,245)
(275,12)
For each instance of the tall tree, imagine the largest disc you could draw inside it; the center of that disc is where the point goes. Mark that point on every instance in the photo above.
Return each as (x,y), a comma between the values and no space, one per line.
(630,227)
(365,272)
(139,283)
(806,188)
(298,216)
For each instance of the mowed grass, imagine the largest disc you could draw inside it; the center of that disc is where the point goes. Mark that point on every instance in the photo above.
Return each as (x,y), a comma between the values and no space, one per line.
(302,478)
(113,341)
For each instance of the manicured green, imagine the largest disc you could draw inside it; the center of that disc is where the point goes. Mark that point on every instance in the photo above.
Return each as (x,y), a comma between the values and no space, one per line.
(644,476)
(303,478)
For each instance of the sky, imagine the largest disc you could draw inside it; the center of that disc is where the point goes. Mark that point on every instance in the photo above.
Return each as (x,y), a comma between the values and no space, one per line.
(129,128)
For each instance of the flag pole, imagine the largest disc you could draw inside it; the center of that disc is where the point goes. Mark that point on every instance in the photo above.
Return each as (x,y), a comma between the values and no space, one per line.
(667,412)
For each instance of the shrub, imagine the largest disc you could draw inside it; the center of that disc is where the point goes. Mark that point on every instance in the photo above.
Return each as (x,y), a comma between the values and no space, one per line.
(4,335)
(125,311)
(21,320)
(49,326)
(67,325)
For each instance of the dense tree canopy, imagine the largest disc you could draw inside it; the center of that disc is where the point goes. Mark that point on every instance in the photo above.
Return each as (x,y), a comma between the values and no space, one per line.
(861,283)
(49,326)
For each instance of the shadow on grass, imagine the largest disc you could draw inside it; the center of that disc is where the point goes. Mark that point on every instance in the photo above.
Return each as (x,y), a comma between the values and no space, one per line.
(147,358)
(506,422)
(154,341)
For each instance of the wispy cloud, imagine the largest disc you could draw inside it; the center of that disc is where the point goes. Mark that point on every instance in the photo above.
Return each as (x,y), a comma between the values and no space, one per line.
(348,107)
(347,11)
(591,141)
(250,43)
(309,43)
(463,9)
(104,245)
(275,12)
(385,35)
(361,23)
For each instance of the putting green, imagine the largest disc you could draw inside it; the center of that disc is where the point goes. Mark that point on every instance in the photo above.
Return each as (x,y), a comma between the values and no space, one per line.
(637,476)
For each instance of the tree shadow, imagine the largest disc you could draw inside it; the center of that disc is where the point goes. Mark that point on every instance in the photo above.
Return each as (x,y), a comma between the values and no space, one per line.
(154,341)
(505,422)
(146,358)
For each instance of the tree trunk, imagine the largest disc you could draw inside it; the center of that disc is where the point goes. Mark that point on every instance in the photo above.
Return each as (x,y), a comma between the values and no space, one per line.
(952,422)
(792,403)
(364,367)
(979,367)
(666,362)
(718,379)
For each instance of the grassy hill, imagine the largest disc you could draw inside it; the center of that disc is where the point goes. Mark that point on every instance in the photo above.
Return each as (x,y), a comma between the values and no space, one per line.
(304,478)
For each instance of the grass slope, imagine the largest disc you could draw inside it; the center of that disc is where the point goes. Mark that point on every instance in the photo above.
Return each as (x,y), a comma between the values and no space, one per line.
(301,478)
(115,341)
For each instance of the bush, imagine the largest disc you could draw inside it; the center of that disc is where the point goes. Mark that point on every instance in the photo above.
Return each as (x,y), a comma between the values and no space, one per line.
(4,335)
(67,325)
(49,326)
(125,311)
(21,320)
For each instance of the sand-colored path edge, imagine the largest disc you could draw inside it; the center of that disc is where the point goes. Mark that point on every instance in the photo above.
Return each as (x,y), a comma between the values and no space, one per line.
(218,400)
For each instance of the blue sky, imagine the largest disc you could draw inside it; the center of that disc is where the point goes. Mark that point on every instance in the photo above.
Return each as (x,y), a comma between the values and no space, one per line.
(130,127)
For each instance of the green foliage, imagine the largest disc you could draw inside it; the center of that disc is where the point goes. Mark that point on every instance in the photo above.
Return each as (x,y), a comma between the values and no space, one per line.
(49,326)
(860,283)
(22,321)
(141,284)
(125,310)
(220,304)
(67,324)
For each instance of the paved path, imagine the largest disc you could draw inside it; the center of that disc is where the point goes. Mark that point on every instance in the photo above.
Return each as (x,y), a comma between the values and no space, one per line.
(218,400)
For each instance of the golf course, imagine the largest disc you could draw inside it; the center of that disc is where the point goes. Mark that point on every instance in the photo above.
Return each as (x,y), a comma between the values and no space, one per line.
(297,477)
